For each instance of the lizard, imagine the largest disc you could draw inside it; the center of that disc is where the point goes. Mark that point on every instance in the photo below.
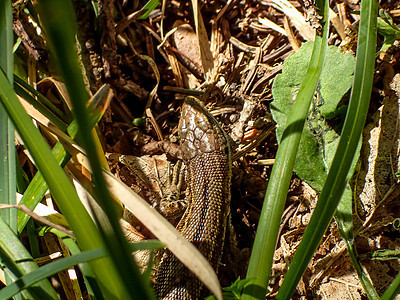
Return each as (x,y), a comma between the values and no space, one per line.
(207,155)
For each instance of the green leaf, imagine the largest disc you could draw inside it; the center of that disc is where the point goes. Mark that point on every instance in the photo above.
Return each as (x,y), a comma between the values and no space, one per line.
(232,292)
(388,29)
(386,254)
(319,140)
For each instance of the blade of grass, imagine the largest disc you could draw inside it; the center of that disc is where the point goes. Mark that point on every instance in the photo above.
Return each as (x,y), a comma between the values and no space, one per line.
(38,187)
(59,24)
(6,38)
(64,263)
(7,148)
(22,178)
(33,240)
(88,275)
(40,107)
(393,290)
(40,99)
(344,219)
(148,8)
(207,60)
(364,279)
(18,260)
(61,188)
(267,231)
(8,179)
(350,137)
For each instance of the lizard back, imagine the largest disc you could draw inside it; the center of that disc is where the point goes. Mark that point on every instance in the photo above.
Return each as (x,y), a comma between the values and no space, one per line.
(207,156)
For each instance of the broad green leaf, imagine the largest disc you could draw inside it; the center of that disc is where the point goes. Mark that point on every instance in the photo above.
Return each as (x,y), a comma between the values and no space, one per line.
(319,139)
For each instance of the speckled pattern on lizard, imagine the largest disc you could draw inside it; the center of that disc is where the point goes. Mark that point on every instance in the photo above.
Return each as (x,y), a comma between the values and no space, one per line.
(208,161)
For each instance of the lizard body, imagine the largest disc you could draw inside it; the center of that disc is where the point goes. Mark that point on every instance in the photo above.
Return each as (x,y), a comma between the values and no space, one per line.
(208,161)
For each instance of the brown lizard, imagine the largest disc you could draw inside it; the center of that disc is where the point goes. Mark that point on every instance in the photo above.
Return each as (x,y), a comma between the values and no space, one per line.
(208,162)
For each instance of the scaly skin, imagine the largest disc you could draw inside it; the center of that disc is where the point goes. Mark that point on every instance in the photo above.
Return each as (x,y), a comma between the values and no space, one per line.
(207,157)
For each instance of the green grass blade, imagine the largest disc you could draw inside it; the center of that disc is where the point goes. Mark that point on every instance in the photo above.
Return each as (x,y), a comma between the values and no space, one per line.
(59,265)
(344,219)
(8,178)
(362,275)
(32,234)
(350,137)
(393,290)
(148,8)
(40,107)
(22,178)
(274,201)
(88,275)
(41,99)
(17,259)
(61,188)
(58,21)
(7,149)
(38,187)
(6,38)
